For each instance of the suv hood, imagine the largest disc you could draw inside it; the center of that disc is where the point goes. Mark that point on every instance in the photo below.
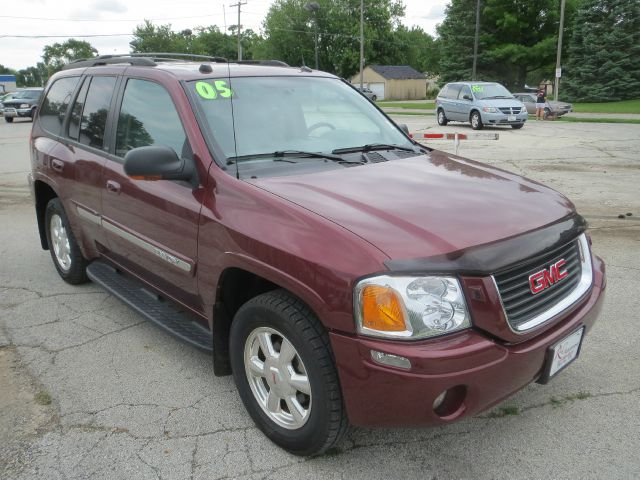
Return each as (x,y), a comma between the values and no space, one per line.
(423,206)
(500,102)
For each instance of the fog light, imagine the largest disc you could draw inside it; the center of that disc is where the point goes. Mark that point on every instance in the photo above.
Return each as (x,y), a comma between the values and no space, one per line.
(439,399)
(391,360)
(450,403)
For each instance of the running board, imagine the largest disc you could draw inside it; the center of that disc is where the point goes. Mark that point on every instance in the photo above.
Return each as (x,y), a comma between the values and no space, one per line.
(150,306)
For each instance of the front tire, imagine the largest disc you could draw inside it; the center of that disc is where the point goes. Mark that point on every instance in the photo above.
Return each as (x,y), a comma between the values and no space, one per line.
(442,118)
(476,120)
(285,374)
(8,119)
(517,126)
(66,255)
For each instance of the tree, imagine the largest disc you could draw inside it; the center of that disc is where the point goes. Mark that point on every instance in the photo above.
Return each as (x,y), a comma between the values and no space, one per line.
(417,48)
(57,55)
(199,41)
(290,29)
(516,38)
(604,54)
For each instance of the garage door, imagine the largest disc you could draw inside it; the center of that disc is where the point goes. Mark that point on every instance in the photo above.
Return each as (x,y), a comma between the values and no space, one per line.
(378,89)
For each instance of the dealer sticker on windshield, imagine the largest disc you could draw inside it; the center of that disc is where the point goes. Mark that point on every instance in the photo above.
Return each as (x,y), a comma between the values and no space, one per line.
(219,89)
(560,355)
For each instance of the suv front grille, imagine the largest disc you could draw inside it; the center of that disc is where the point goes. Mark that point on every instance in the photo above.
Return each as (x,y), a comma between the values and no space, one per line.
(510,110)
(521,306)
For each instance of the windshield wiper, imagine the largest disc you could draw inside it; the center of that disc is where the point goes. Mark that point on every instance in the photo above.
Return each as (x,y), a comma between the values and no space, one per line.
(278,155)
(371,147)
(495,96)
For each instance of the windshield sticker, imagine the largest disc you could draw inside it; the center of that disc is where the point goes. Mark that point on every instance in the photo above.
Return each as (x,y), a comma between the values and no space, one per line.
(477,88)
(219,89)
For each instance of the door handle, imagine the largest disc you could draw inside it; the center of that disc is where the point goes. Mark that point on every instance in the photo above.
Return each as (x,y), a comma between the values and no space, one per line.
(113,187)
(57,165)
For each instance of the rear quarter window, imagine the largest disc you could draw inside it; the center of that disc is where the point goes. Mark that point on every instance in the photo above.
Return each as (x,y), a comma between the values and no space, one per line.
(55,105)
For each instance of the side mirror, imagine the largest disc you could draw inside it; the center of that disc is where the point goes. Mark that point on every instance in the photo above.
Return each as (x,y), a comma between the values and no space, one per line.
(157,162)
(467,97)
(404,128)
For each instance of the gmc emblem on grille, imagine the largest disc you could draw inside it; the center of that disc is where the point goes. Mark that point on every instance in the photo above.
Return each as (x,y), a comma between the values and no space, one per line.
(543,279)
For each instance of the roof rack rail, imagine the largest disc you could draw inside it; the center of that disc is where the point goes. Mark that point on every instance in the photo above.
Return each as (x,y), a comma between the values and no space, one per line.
(151,59)
(271,63)
(109,60)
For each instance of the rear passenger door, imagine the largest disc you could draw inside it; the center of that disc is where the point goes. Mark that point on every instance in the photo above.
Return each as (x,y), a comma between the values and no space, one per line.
(78,156)
(152,226)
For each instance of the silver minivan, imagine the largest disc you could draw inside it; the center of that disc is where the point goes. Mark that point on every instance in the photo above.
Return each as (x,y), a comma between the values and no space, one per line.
(479,103)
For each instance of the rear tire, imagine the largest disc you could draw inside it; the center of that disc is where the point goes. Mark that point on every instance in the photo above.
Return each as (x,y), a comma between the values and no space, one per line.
(476,120)
(442,118)
(65,253)
(547,113)
(305,416)
(33,113)
(8,119)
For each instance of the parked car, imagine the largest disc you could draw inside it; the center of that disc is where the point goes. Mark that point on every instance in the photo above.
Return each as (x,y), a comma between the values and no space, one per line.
(552,107)
(480,104)
(4,97)
(23,104)
(368,93)
(275,218)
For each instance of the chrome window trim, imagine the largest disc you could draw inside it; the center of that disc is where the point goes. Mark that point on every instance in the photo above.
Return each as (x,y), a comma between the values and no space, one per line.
(583,286)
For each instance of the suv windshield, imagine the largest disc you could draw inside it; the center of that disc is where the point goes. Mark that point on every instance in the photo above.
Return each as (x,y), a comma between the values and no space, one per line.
(276,114)
(485,91)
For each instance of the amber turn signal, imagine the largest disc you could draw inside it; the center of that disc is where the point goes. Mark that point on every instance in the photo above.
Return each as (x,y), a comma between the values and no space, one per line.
(382,309)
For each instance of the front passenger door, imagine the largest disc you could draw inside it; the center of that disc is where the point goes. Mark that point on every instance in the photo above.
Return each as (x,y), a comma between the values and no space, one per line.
(152,226)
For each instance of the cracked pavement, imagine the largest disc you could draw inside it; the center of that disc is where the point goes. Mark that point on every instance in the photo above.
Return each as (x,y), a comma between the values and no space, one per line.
(128,401)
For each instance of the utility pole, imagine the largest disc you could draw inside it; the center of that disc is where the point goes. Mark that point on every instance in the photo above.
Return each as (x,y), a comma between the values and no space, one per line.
(313,7)
(475,42)
(556,87)
(361,43)
(239,27)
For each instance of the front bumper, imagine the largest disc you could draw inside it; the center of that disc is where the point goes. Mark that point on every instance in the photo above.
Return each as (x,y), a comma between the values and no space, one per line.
(16,112)
(471,363)
(503,119)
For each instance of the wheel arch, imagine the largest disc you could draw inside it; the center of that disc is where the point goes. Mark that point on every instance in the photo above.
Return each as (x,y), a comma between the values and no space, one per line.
(43,193)
(236,286)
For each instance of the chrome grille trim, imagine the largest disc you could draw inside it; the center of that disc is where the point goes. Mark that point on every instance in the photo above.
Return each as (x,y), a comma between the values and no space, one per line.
(581,287)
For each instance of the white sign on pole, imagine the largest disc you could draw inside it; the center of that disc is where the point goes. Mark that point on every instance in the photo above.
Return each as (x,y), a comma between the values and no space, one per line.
(558,72)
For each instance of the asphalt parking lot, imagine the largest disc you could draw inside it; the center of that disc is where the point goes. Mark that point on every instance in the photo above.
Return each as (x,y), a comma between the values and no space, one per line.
(88,389)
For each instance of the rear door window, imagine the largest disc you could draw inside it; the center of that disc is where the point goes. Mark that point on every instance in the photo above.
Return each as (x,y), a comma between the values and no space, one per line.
(453,91)
(55,105)
(149,117)
(95,111)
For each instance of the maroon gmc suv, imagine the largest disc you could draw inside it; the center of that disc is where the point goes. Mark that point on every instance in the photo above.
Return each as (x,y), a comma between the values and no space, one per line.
(276,218)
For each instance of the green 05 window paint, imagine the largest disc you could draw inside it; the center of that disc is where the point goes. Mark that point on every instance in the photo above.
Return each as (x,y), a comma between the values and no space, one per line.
(219,89)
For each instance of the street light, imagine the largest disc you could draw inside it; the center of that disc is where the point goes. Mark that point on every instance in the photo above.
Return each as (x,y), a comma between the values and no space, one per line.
(314,7)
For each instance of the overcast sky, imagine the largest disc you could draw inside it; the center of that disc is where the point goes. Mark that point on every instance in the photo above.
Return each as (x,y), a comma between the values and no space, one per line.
(72,18)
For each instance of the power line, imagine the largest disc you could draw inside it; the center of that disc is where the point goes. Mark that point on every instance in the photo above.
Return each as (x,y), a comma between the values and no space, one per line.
(105,20)
(70,36)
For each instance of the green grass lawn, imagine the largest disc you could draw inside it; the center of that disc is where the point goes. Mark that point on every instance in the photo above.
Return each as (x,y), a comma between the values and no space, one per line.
(598,120)
(626,106)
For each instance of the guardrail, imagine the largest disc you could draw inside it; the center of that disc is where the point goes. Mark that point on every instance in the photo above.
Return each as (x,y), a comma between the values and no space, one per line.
(456,137)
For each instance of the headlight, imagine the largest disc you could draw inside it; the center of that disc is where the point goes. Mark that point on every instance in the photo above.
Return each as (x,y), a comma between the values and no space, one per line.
(24,105)
(410,307)
(490,109)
